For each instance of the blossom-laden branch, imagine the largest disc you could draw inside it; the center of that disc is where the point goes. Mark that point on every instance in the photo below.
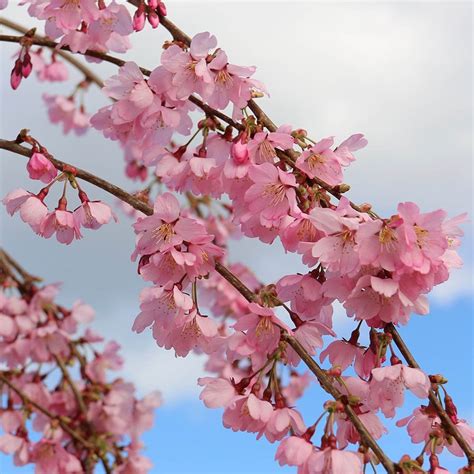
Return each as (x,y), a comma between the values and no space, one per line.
(379,269)
(321,375)
(325,382)
(80,422)
(288,156)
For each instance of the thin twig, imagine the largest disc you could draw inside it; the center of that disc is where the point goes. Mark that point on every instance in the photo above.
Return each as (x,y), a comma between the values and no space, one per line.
(72,385)
(445,419)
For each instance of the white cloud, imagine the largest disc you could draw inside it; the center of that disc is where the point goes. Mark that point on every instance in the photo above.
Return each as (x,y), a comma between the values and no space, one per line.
(150,368)
(459,285)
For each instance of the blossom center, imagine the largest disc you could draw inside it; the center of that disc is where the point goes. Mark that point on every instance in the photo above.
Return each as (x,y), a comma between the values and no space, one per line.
(421,235)
(315,160)
(276,192)
(266,150)
(164,232)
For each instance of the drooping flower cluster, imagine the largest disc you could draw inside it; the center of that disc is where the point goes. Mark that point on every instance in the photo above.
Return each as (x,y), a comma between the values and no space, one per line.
(63,223)
(64,424)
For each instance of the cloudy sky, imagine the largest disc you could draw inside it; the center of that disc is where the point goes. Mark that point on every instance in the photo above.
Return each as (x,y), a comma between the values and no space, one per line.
(399,72)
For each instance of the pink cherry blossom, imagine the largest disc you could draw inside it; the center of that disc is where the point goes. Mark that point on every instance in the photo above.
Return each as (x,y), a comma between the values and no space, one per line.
(93,214)
(262,147)
(108,32)
(321,162)
(282,421)
(389,383)
(293,451)
(378,244)
(343,354)
(272,194)
(353,143)
(68,15)
(31,207)
(51,458)
(334,461)
(217,392)
(63,110)
(337,249)
(421,237)
(39,167)
(60,222)
(189,70)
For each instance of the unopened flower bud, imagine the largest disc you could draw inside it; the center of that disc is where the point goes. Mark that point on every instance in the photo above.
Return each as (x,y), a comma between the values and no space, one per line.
(139,18)
(153,19)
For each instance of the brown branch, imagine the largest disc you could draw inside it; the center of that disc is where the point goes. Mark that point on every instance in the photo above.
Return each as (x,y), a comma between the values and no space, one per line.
(72,385)
(445,419)
(85,175)
(327,385)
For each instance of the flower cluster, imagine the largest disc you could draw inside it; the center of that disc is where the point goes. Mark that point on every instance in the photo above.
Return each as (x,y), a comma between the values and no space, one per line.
(175,251)
(70,422)
(62,222)
(147,113)
(85,24)
(54,71)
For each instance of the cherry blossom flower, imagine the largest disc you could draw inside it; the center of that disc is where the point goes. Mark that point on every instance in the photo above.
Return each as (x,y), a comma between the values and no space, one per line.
(293,451)
(39,167)
(338,249)
(343,354)
(321,162)
(108,32)
(272,194)
(92,214)
(69,14)
(60,222)
(31,207)
(388,384)
(334,461)
(421,237)
(262,147)
(63,110)
(217,392)
(189,70)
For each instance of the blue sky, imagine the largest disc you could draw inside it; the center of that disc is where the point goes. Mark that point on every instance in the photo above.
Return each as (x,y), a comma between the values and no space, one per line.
(399,72)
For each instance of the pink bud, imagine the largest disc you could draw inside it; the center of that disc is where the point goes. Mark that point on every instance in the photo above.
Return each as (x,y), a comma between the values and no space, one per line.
(153,19)
(26,66)
(239,152)
(39,167)
(15,80)
(16,76)
(162,8)
(153,4)
(139,18)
